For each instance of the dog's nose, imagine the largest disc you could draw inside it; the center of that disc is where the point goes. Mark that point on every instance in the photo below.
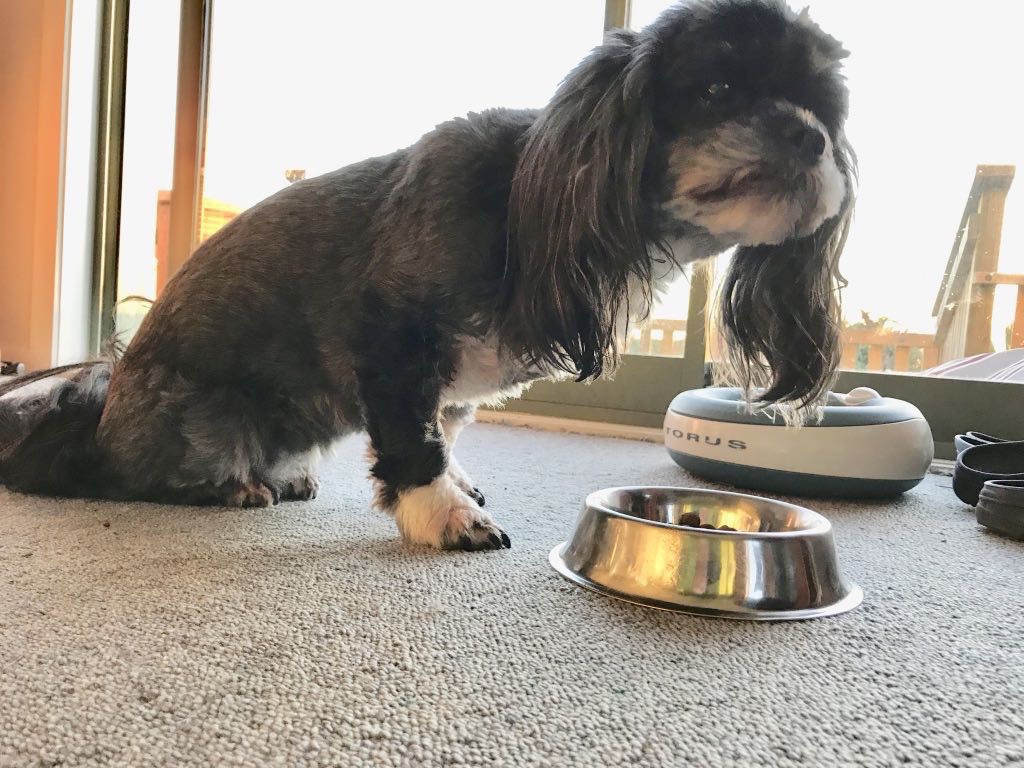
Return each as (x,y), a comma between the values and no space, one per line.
(808,142)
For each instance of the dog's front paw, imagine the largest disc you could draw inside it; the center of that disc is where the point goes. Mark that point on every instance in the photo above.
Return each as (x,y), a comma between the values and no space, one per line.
(461,479)
(442,515)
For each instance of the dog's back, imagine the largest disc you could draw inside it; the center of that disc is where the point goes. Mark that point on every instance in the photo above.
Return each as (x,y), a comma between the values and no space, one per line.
(245,368)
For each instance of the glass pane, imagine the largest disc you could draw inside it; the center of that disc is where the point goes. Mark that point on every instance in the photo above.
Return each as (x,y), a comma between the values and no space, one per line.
(301,88)
(932,120)
(150,95)
(664,332)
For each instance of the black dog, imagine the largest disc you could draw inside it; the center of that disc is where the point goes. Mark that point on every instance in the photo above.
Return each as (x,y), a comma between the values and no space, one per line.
(396,294)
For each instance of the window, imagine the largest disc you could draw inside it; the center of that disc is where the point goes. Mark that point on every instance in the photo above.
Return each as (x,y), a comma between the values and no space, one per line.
(302,88)
(935,263)
(937,135)
(148,156)
(342,93)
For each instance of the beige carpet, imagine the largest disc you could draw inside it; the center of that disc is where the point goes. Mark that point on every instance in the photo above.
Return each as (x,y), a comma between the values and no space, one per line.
(308,635)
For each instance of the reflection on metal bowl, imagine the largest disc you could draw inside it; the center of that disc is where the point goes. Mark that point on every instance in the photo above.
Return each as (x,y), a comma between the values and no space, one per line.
(779,563)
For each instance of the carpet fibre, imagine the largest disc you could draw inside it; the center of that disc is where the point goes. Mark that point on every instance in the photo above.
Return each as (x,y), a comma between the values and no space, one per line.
(307,634)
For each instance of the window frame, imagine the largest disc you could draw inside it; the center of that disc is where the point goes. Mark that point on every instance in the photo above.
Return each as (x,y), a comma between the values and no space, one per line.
(112,79)
(644,385)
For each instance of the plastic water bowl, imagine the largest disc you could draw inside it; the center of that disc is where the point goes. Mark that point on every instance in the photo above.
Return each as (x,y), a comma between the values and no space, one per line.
(865,445)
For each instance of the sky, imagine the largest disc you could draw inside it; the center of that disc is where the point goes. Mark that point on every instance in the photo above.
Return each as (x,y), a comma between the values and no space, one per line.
(317,85)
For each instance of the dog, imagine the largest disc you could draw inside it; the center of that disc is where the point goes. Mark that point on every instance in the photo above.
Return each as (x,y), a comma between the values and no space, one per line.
(397,294)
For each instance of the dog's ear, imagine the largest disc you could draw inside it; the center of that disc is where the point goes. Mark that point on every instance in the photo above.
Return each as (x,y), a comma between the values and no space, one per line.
(574,232)
(780,311)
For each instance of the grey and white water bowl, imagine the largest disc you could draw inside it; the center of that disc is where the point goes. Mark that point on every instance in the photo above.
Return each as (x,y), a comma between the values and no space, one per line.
(644,545)
(864,446)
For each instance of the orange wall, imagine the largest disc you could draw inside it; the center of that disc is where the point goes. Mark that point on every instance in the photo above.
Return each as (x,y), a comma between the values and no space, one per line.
(31,76)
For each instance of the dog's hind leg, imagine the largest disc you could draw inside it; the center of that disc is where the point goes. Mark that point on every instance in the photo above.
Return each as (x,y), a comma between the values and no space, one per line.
(232,493)
(294,477)
(176,441)
(453,419)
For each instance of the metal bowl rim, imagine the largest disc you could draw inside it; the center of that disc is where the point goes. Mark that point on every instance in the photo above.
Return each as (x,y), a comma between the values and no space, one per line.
(821,524)
(853,598)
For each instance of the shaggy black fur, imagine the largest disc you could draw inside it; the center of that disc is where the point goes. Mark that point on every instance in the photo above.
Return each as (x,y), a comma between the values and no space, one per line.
(49,439)
(396,294)
(400,383)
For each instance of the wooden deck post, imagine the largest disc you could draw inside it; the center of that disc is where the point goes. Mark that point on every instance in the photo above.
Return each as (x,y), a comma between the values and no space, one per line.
(1017,334)
(849,359)
(876,354)
(989,218)
(901,359)
(189,132)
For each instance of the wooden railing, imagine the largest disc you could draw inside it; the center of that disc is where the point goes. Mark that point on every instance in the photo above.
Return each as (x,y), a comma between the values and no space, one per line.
(658,337)
(964,304)
(1016,339)
(863,348)
(888,350)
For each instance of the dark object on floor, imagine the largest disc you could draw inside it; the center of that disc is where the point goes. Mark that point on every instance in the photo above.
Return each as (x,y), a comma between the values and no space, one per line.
(981,463)
(1001,507)
(8,368)
(970,439)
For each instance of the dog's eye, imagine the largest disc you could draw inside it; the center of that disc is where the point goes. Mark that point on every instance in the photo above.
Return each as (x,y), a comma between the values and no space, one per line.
(718,90)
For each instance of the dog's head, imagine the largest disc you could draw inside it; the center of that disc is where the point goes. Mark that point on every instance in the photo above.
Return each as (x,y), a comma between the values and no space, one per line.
(721,120)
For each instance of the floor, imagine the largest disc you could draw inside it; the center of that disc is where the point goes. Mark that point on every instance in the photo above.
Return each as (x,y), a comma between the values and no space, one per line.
(307,634)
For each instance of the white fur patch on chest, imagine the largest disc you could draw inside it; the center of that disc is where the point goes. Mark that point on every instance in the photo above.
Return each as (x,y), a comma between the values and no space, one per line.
(483,376)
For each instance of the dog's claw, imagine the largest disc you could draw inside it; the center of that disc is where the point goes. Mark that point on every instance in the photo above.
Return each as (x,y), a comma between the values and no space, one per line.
(478,497)
(302,489)
(479,537)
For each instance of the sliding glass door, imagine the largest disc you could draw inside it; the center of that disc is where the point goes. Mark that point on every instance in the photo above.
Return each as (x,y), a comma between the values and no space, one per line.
(265,94)
(934,306)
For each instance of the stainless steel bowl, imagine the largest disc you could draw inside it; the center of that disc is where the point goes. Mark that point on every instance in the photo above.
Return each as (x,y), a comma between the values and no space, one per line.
(779,564)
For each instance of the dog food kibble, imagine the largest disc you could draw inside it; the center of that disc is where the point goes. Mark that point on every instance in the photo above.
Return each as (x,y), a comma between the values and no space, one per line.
(692,520)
